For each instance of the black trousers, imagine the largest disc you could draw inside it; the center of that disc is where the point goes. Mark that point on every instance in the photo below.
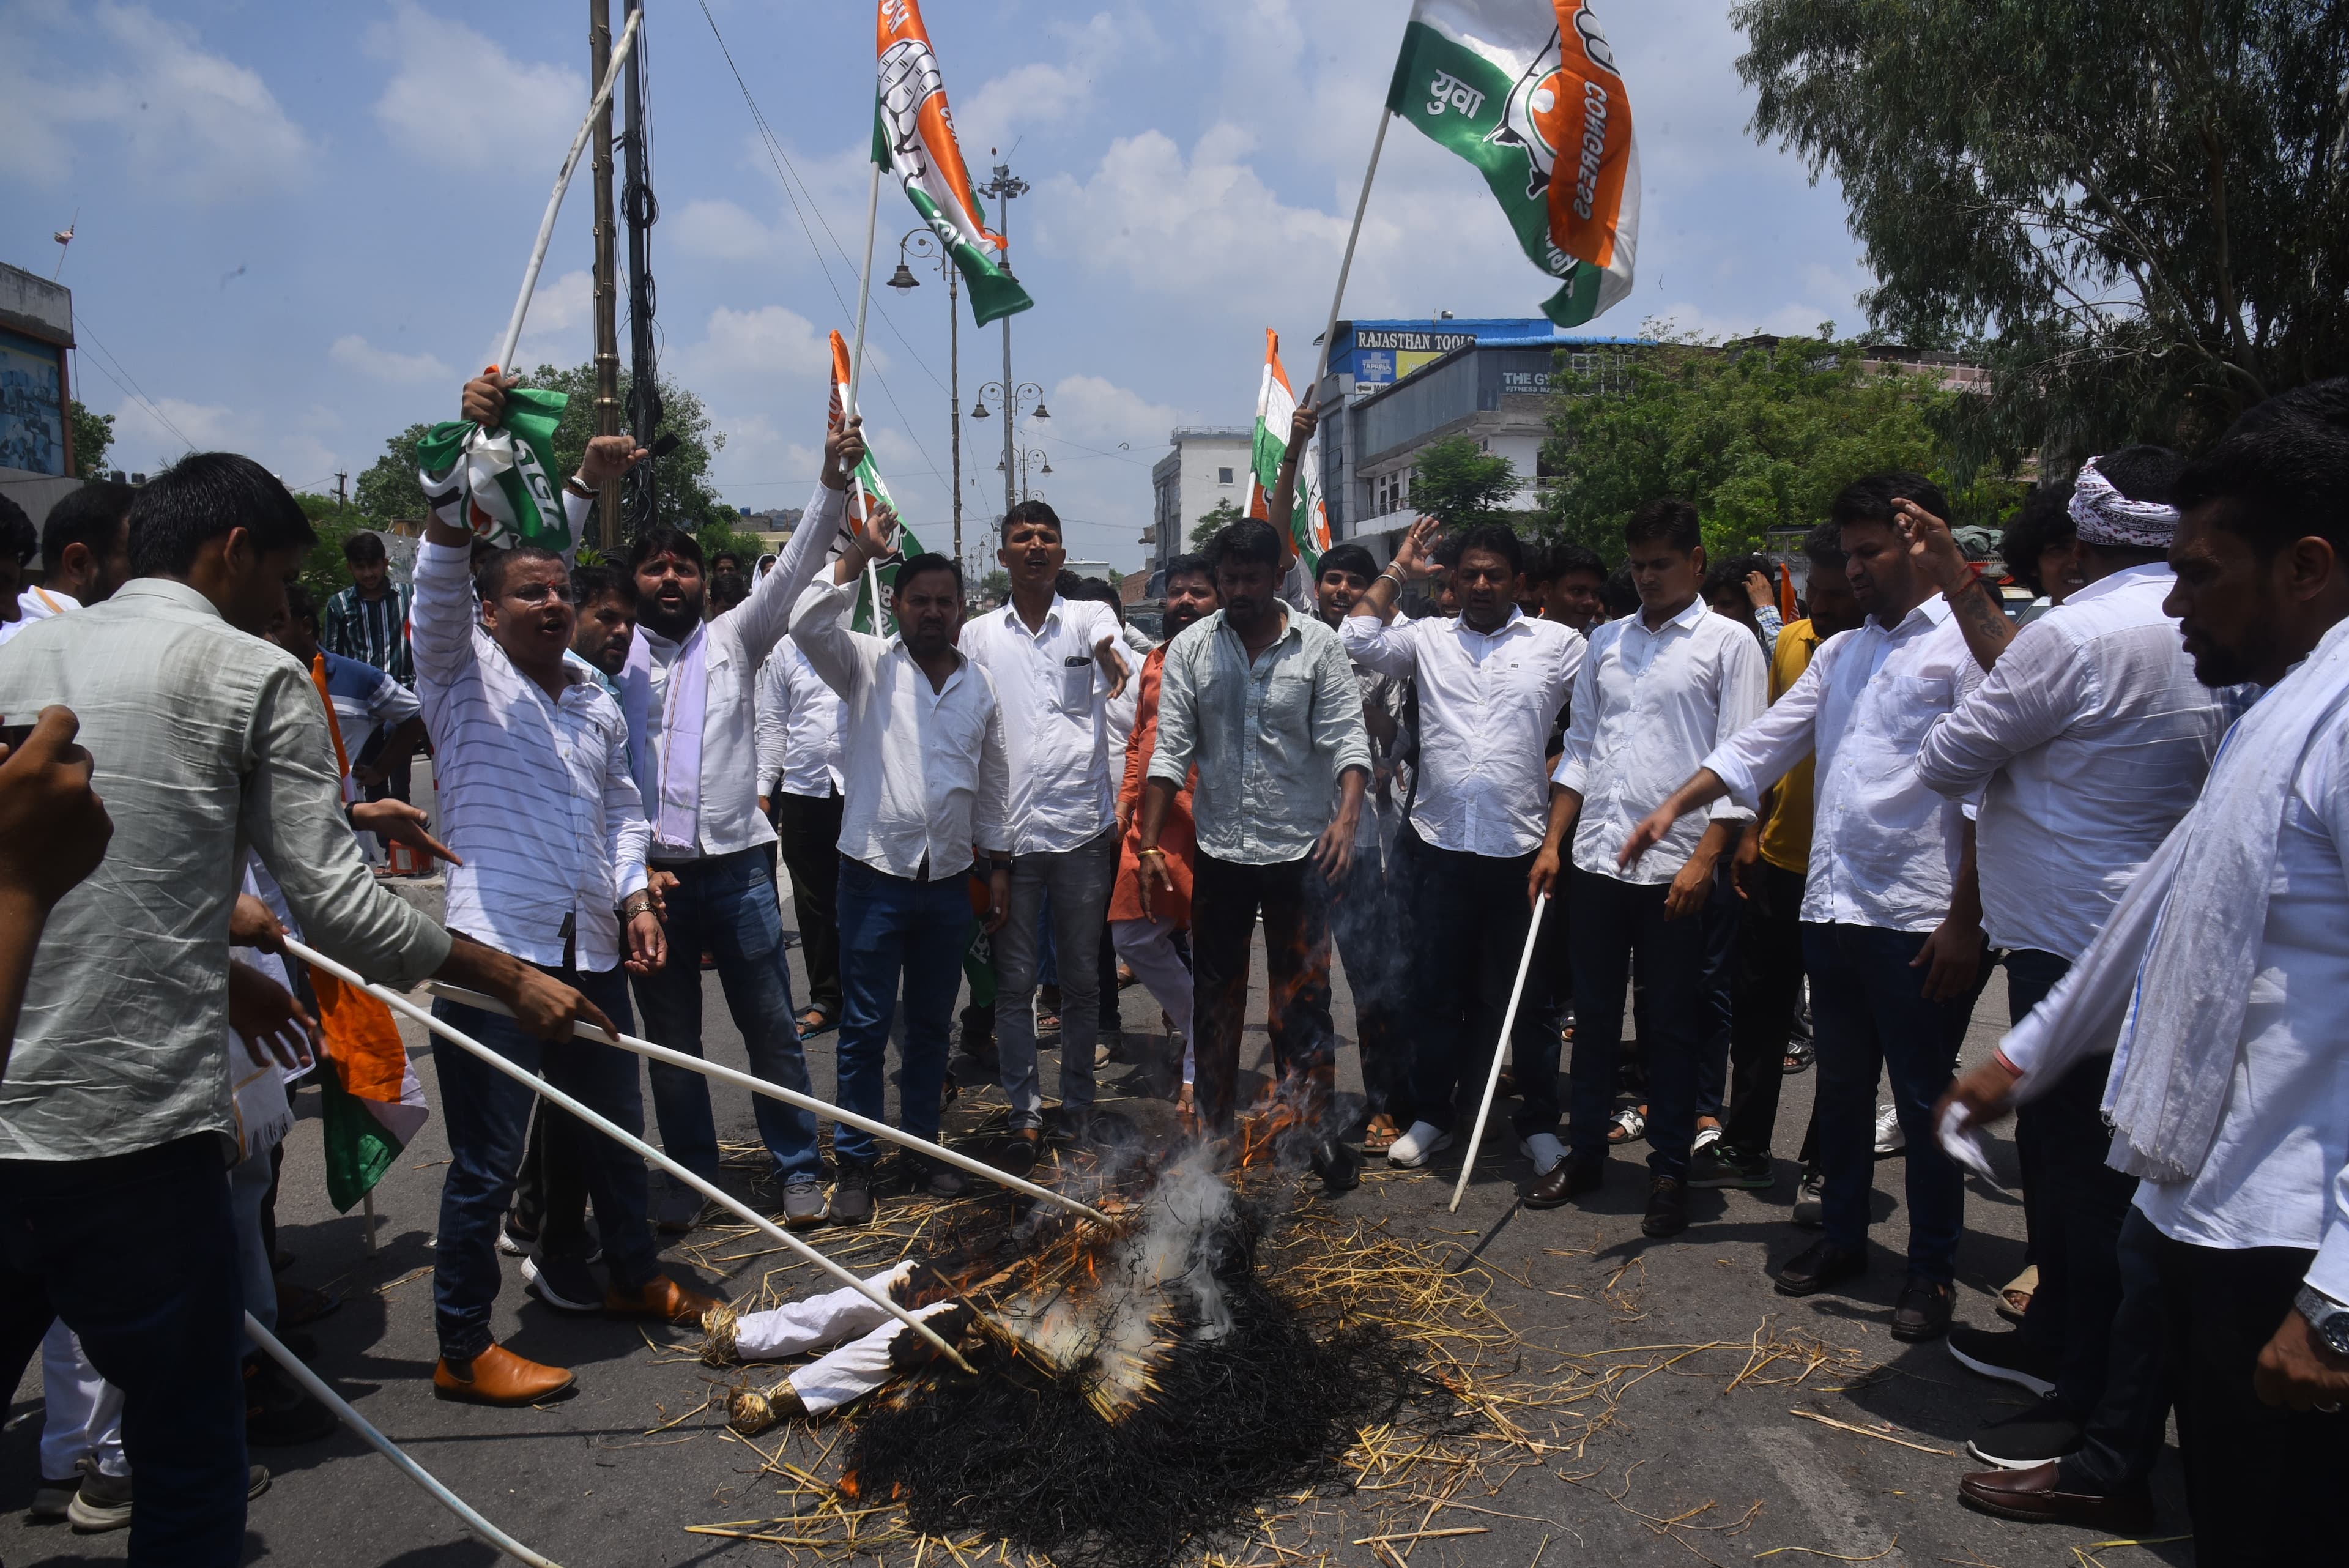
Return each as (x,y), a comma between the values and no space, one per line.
(549,1201)
(809,826)
(2127,1429)
(1612,923)
(1225,899)
(2259,1479)
(1768,988)
(1471,933)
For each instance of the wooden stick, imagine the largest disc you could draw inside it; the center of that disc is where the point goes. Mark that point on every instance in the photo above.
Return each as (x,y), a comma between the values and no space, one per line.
(1508,1022)
(1346,265)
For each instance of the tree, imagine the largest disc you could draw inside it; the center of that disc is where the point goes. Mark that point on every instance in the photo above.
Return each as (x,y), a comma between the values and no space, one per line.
(1461,483)
(2147,204)
(1211,523)
(1759,437)
(323,571)
(92,435)
(387,489)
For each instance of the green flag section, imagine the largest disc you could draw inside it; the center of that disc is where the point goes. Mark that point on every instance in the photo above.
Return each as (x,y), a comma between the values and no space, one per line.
(1527,91)
(358,1148)
(865,488)
(914,140)
(1275,407)
(500,484)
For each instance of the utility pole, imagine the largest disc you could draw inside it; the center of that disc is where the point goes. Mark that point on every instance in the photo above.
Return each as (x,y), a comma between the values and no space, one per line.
(641,213)
(342,488)
(607,326)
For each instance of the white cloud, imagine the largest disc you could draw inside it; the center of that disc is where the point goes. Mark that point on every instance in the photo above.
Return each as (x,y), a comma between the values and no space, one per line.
(560,328)
(143,441)
(451,88)
(720,230)
(1040,92)
(770,342)
(384,365)
(191,125)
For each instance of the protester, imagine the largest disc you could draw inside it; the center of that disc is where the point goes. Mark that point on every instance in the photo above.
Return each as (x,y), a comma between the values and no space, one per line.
(1745,589)
(1578,592)
(1655,690)
(531,761)
(1054,665)
(1145,936)
(1538,581)
(2224,1098)
(605,601)
(728,587)
(1489,687)
(369,620)
(2086,742)
(800,786)
(1263,702)
(373,713)
(84,554)
(19,543)
(1772,864)
(115,1115)
(925,786)
(2037,549)
(1891,890)
(688,694)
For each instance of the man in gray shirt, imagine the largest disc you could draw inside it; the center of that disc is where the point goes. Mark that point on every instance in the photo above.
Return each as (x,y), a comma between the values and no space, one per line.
(1264,701)
(115,1120)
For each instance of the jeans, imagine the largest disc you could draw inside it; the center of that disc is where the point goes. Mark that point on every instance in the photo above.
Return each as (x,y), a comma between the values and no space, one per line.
(248,1189)
(487,1118)
(1363,924)
(1870,1016)
(1762,1011)
(1607,923)
(172,1341)
(1473,919)
(1226,896)
(892,927)
(726,905)
(2259,1478)
(809,829)
(2124,1430)
(1079,882)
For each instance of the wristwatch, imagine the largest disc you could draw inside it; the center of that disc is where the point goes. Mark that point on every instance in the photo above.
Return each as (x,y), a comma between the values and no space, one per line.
(2327,1316)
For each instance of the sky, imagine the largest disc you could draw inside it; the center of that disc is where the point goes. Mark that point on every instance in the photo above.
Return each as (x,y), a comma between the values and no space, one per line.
(298,228)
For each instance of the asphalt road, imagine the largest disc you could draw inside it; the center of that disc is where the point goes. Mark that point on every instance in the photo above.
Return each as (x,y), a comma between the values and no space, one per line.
(1746,1471)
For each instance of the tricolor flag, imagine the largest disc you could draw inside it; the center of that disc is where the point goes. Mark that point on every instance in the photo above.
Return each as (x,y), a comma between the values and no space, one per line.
(1528,93)
(914,140)
(1275,407)
(865,487)
(500,484)
(1309,522)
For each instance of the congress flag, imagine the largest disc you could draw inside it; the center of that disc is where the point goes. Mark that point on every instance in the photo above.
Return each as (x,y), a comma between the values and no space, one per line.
(865,487)
(914,140)
(1527,91)
(1275,407)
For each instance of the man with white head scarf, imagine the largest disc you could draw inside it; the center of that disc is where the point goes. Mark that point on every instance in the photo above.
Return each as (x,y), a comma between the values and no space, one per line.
(2086,742)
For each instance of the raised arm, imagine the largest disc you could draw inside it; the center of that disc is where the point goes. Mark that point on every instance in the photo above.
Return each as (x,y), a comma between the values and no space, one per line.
(1282,503)
(1979,614)
(1415,559)
(764,618)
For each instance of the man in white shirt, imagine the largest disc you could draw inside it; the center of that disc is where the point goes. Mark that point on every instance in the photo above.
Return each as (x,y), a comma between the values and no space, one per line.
(2086,741)
(530,762)
(2219,983)
(1891,918)
(1490,685)
(1654,692)
(84,554)
(921,755)
(798,789)
(1055,667)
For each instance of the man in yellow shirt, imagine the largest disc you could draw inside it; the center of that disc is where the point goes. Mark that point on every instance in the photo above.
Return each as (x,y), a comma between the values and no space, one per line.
(1770,867)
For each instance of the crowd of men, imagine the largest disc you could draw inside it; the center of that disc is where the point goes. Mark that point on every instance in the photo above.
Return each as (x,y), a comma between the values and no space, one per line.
(1487,771)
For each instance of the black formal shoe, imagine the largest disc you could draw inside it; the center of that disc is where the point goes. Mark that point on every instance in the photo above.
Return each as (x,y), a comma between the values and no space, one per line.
(1819,1265)
(1923,1311)
(1566,1181)
(1667,1207)
(1337,1165)
(2036,1496)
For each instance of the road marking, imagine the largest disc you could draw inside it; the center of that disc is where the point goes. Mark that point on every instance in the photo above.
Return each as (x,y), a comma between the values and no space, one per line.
(1810,1474)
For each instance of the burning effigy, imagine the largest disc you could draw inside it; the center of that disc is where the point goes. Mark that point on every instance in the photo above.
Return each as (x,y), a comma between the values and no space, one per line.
(1135,1387)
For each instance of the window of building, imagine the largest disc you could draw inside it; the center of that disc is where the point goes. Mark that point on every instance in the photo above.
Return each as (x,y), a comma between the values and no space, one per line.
(1223,476)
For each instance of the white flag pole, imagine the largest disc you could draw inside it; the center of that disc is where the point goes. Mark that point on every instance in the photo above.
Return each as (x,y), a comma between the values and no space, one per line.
(856,378)
(317,1389)
(1337,299)
(562,183)
(1500,1051)
(561,1101)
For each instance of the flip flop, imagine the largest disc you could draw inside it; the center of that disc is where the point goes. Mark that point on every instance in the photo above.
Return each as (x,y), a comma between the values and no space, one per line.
(1798,1059)
(815,1020)
(1378,1134)
(1629,1125)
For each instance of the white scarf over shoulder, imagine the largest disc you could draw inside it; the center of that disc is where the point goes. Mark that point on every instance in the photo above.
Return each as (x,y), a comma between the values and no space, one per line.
(2165,984)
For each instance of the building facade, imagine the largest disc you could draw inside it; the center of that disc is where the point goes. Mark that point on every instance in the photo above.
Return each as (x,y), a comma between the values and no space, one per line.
(1207,464)
(36,455)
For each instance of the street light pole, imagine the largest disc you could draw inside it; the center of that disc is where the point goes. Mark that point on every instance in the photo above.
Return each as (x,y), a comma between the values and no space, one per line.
(1003,188)
(607,332)
(924,244)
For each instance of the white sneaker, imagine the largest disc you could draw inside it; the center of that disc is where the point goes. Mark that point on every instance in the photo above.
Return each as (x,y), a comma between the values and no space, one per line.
(1423,1143)
(1543,1150)
(1706,1139)
(1889,1138)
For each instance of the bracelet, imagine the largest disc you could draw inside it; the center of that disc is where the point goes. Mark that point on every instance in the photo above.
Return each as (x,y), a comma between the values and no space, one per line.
(579,486)
(635,904)
(1400,582)
(1152,850)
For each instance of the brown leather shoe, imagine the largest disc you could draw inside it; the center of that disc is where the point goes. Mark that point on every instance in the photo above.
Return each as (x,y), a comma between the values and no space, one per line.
(659,1297)
(498,1377)
(2035,1496)
(1567,1180)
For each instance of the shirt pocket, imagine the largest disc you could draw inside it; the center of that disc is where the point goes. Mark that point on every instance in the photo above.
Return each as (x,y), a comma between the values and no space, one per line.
(1076,686)
(961,732)
(1912,703)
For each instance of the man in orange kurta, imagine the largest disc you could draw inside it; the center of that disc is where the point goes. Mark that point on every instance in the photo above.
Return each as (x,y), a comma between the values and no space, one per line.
(1145,936)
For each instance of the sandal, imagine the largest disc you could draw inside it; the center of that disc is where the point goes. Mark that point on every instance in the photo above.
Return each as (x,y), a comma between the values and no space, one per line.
(1378,1134)
(1798,1059)
(2014,1300)
(815,1020)
(1631,1124)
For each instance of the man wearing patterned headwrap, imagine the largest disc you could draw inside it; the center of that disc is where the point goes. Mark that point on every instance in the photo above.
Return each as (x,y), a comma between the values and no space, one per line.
(2086,742)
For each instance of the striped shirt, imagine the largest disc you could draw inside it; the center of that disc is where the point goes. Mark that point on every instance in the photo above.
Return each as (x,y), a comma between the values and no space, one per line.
(535,793)
(366,700)
(373,631)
